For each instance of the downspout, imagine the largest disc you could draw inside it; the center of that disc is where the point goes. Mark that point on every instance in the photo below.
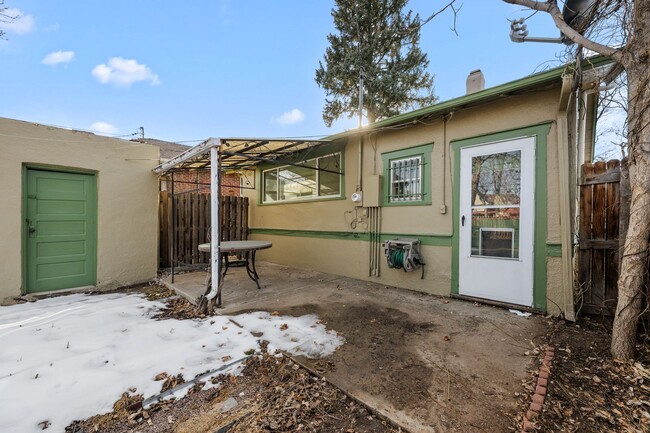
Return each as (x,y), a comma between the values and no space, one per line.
(445,119)
(568,307)
(586,110)
(582,128)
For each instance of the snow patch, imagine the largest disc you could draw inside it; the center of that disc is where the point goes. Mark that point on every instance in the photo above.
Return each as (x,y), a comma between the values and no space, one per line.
(71,357)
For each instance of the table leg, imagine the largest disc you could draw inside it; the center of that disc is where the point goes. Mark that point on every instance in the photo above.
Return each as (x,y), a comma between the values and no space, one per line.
(250,268)
(226,265)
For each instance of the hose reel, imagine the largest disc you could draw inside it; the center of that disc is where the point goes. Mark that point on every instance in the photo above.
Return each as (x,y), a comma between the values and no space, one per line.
(403,254)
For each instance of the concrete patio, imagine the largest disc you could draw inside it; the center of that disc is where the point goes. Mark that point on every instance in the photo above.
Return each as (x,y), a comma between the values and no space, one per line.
(432,364)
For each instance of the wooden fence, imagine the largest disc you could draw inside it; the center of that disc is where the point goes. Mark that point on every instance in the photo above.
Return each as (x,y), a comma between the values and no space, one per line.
(602,213)
(193,224)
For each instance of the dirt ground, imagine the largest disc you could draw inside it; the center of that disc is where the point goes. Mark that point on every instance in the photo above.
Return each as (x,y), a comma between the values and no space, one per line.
(415,385)
(413,368)
(430,364)
(272,394)
(590,392)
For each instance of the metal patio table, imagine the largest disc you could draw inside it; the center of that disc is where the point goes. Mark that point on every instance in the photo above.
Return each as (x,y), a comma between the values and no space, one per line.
(244,249)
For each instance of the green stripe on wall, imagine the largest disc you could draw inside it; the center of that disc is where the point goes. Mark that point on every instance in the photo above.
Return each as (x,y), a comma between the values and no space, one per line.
(553,250)
(432,240)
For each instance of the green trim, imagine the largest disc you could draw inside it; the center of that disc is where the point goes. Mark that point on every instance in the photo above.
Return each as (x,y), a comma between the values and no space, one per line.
(423,151)
(321,234)
(309,154)
(540,132)
(478,98)
(304,200)
(434,240)
(426,239)
(553,250)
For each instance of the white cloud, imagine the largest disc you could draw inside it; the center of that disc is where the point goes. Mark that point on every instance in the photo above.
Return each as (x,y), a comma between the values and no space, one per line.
(103,128)
(57,57)
(20,24)
(290,117)
(124,72)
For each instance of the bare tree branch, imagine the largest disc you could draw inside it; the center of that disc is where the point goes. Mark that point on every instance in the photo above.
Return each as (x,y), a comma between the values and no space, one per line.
(551,8)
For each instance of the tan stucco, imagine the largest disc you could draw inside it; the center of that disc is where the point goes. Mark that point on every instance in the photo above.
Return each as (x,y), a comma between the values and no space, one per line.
(350,257)
(127,198)
(554,292)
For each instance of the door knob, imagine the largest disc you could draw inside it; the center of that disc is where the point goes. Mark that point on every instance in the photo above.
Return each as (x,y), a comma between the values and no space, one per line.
(31,229)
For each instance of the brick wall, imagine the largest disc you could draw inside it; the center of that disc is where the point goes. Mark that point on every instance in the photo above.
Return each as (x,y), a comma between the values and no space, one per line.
(199,181)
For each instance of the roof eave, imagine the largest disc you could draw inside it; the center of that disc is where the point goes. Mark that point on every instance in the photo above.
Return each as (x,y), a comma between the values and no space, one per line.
(473,99)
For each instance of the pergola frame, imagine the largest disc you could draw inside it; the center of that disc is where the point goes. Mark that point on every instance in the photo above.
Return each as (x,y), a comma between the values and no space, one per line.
(219,154)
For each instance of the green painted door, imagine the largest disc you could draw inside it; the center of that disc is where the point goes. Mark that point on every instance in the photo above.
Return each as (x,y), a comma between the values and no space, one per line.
(60,230)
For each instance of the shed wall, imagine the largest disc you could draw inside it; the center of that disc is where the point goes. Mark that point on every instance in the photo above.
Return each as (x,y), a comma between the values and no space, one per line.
(127,198)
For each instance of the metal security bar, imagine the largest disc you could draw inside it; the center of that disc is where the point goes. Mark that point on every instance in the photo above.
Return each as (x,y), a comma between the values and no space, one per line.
(406,179)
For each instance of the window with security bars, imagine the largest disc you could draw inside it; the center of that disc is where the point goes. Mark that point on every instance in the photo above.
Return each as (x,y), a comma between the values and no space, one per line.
(406,179)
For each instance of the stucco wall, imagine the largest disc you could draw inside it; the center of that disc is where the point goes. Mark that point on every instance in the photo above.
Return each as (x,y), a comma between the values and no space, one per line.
(350,257)
(127,198)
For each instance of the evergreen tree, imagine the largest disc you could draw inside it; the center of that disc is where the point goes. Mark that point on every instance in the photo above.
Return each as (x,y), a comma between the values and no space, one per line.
(375,38)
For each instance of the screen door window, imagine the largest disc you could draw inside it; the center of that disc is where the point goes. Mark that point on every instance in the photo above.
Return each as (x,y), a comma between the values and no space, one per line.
(496,194)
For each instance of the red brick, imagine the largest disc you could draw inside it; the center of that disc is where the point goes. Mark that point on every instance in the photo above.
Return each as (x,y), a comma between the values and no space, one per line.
(542,381)
(528,426)
(538,398)
(543,374)
(550,353)
(535,407)
(532,415)
(541,390)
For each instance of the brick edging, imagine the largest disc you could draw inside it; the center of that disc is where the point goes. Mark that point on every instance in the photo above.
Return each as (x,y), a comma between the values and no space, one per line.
(540,392)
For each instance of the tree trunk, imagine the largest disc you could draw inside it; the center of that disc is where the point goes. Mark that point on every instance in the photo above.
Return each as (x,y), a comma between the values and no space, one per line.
(631,282)
(634,264)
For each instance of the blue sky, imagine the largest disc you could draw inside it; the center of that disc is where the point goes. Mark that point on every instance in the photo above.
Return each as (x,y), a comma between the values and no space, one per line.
(186,71)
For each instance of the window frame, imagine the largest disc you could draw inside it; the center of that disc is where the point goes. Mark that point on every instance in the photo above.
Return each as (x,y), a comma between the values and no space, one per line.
(388,158)
(317,196)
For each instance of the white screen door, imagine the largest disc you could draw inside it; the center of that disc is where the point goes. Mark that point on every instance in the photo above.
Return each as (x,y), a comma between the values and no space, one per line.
(497,206)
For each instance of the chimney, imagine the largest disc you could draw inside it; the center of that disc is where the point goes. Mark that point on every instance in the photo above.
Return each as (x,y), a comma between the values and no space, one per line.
(475,82)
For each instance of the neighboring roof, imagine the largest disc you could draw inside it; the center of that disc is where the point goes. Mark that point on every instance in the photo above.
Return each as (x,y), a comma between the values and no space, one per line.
(168,149)
(240,153)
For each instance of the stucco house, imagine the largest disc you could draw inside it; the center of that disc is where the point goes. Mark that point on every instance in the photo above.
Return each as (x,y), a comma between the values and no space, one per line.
(78,210)
(480,189)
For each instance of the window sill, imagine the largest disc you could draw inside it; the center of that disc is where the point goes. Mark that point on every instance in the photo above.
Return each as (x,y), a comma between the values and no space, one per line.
(302,201)
(406,203)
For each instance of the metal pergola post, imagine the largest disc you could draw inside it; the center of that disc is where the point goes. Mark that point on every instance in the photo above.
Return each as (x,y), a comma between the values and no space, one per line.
(215,219)
(172,253)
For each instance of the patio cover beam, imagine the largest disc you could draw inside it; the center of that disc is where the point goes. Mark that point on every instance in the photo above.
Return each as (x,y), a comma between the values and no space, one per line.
(278,161)
(238,153)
